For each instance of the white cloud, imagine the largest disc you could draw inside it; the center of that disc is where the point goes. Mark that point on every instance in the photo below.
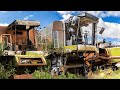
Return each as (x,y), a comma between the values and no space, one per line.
(3,11)
(113,13)
(112,30)
(4,24)
(96,13)
(65,12)
(105,13)
(27,17)
(66,16)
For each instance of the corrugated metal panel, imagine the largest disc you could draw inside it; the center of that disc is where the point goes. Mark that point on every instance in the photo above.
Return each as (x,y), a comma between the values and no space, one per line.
(32,33)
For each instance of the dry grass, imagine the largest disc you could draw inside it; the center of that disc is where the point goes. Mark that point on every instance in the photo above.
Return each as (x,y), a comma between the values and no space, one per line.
(106,74)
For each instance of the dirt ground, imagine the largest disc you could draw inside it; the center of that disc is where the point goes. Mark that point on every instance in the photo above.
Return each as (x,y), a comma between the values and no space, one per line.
(23,76)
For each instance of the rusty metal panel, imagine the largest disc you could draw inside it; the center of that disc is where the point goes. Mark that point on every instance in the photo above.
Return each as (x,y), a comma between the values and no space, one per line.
(58,25)
(3,29)
(32,34)
(20,39)
(23,76)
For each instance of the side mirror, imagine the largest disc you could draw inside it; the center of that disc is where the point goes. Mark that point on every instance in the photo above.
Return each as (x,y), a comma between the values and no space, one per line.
(102,30)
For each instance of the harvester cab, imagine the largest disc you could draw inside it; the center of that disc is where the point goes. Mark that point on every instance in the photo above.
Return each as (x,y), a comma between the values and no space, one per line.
(74,26)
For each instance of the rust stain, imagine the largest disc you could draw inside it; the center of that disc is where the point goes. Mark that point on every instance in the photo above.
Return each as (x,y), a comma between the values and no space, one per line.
(23,76)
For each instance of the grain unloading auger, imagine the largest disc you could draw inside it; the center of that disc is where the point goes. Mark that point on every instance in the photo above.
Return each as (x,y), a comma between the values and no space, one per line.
(70,47)
(19,44)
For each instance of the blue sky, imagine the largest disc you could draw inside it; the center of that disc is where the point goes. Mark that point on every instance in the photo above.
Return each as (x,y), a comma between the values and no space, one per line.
(45,17)
(108,19)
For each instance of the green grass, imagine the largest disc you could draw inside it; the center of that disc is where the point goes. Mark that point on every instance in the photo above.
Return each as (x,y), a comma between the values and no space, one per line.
(46,75)
(99,74)
(115,52)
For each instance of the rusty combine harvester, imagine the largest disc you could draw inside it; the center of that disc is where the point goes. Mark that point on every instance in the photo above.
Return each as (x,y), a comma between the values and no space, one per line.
(69,48)
(66,43)
(19,45)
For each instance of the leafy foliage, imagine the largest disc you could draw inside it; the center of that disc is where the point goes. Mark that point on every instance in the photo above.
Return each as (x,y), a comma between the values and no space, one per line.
(27,71)
(6,73)
(46,75)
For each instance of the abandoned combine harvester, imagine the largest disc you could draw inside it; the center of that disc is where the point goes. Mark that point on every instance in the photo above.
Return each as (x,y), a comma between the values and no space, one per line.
(18,43)
(70,47)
